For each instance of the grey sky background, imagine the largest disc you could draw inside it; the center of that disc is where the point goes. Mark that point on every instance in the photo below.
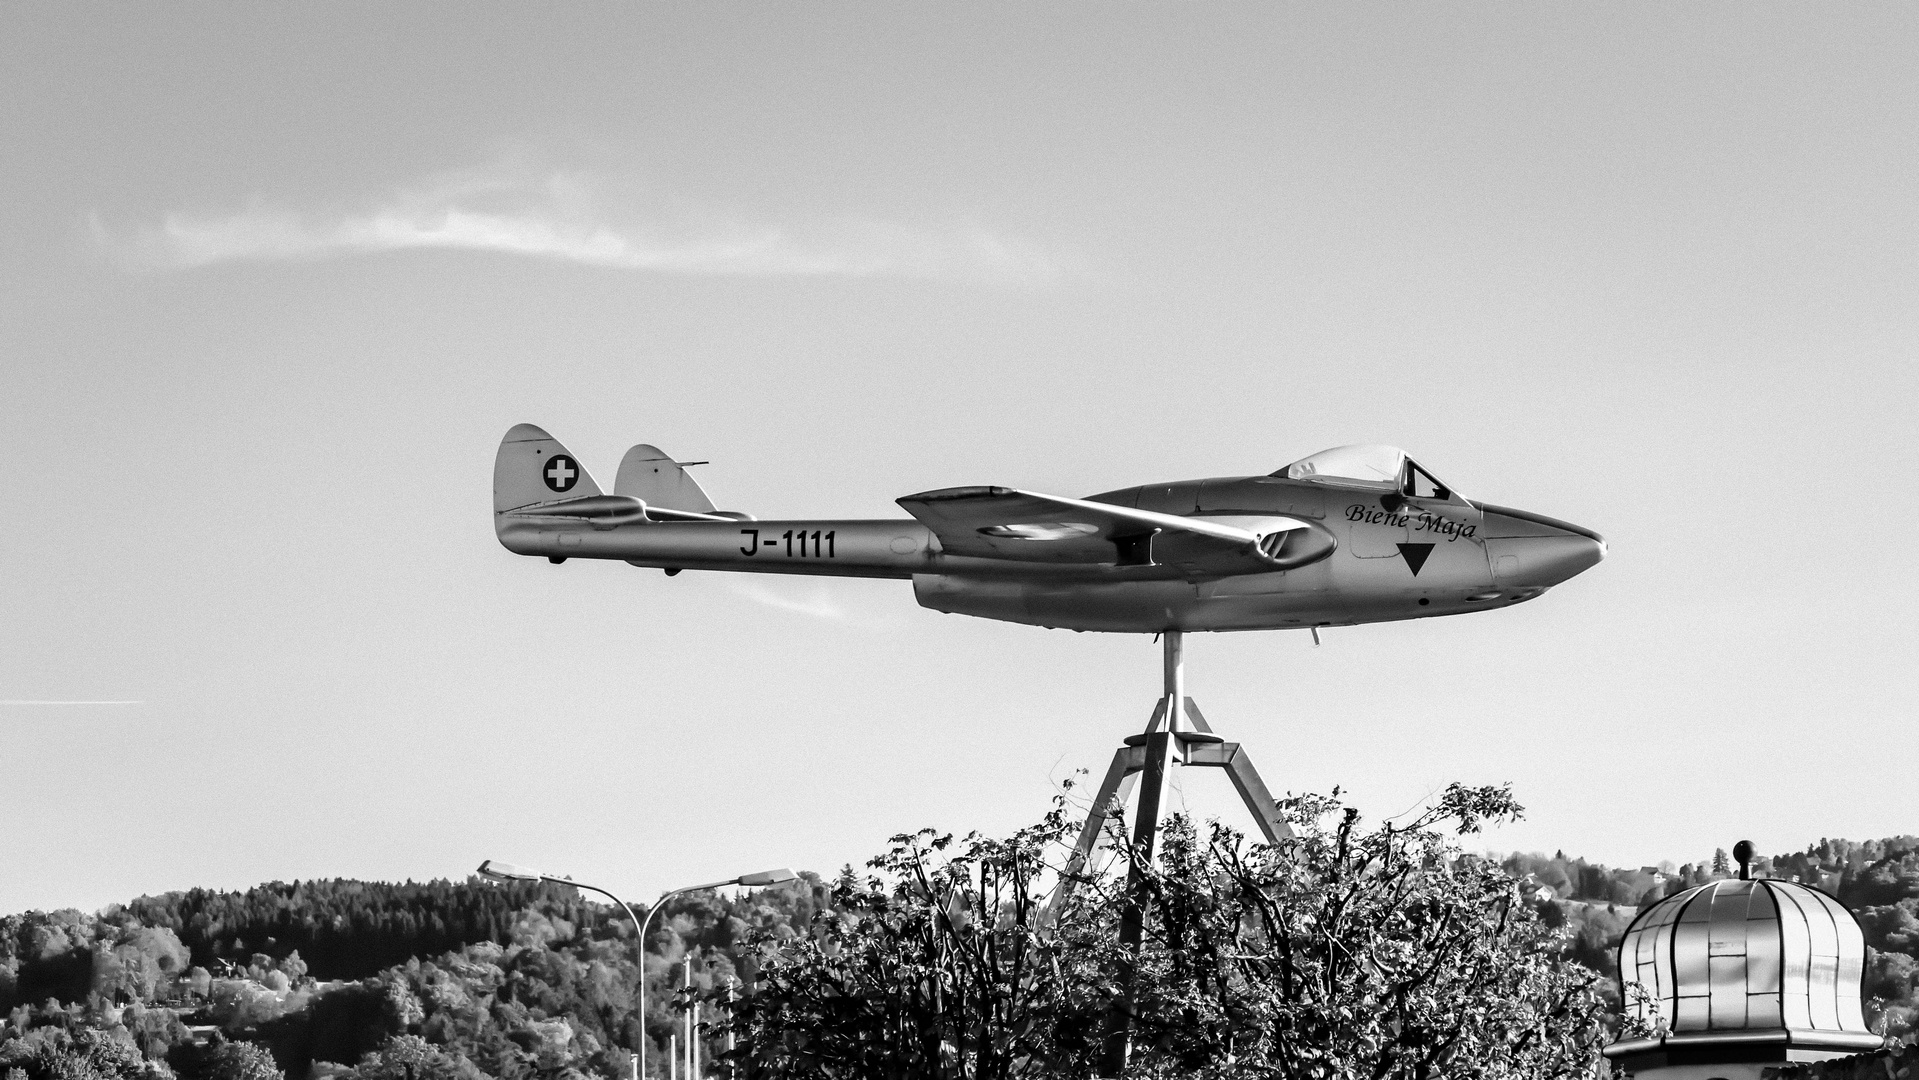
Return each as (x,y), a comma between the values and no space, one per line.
(274,282)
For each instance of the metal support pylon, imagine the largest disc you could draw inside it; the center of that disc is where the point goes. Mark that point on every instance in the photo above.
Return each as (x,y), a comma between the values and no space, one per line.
(1177,734)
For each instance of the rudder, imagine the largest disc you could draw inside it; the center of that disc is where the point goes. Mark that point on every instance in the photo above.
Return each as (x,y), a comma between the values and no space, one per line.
(532,467)
(655,479)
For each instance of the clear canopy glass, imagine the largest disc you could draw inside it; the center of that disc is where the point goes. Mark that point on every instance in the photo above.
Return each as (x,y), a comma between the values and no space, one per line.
(1360,465)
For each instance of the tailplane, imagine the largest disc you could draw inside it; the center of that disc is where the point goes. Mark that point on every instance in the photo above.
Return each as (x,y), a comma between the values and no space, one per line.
(532,467)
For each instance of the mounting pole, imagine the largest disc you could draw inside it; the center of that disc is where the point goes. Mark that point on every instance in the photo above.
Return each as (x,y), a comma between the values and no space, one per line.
(1173,673)
(1177,734)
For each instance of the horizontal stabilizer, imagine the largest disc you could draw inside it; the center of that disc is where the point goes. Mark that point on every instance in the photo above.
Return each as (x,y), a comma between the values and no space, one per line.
(532,467)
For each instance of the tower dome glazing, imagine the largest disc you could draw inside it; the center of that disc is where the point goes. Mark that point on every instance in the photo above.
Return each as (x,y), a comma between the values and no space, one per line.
(1742,968)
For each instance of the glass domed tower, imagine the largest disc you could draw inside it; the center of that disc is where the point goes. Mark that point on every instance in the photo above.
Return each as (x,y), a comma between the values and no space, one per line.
(1738,975)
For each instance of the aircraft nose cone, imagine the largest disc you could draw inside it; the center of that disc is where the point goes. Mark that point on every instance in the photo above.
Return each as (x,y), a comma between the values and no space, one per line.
(1530,551)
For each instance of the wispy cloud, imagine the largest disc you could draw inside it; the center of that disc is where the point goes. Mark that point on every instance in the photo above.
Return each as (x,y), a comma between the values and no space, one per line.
(572,218)
(23,701)
(814,601)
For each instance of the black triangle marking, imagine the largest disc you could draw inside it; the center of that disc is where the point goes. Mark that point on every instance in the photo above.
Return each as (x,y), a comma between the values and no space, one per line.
(1415,555)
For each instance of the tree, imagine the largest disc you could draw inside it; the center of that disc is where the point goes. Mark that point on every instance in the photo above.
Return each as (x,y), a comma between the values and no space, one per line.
(1340,952)
(409,1057)
(239,1060)
(138,964)
(936,967)
(1347,952)
(85,1054)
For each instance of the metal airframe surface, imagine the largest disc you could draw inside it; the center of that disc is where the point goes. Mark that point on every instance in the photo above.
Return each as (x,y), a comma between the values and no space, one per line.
(1223,553)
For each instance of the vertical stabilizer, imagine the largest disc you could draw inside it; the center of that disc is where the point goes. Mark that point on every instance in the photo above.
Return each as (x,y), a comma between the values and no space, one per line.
(532,467)
(657,480)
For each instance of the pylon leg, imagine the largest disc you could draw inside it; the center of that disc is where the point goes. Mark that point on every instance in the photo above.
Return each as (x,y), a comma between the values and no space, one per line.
(1158,768)
(1110,802)
(1252,790)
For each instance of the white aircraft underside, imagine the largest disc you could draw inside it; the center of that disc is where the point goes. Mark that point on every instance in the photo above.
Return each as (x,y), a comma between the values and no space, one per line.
(1351,535)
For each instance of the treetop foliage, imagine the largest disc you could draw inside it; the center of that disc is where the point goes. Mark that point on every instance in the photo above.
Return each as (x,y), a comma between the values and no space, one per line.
(1381,949)
(1343,951)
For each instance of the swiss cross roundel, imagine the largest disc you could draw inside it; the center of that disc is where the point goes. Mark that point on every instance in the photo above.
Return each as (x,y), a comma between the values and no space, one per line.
(560,472)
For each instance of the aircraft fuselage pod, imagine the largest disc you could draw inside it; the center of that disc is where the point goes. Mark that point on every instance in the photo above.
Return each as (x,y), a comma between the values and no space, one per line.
(1351,535)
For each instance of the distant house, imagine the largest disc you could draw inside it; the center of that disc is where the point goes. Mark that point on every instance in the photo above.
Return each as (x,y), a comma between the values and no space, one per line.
(1536,890)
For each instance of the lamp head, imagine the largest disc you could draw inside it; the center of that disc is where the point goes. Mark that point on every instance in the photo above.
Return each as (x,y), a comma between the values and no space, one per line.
(767,877)
(504,871)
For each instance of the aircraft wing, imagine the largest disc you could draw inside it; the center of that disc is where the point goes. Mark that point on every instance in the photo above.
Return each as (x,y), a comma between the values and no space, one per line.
(1006,523)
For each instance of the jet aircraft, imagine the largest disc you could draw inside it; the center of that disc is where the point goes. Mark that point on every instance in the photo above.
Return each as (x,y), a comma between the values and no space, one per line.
(1355,534)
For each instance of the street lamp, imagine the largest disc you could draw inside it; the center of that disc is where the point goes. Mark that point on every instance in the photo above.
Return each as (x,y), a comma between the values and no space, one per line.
(499,871)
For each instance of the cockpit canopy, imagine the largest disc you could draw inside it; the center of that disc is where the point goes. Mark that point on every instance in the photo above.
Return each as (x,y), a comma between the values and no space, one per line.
(1370,466)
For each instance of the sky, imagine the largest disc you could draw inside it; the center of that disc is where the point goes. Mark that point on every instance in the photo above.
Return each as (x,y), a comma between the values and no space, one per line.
(275,281)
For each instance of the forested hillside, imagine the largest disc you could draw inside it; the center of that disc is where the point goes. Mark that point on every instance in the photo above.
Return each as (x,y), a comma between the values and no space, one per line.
(520,980)
(529,979)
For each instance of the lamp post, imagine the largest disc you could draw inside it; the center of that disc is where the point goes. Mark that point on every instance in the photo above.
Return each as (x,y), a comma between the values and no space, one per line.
(493,868)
